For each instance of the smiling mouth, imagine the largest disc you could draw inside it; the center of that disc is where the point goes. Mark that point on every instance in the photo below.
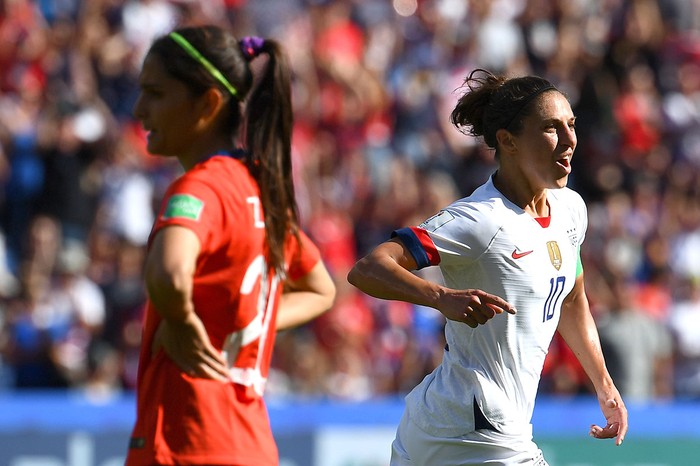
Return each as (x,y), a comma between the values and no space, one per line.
(565,165)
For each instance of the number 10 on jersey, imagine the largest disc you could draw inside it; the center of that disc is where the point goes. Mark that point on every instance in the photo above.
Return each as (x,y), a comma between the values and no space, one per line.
(556,288)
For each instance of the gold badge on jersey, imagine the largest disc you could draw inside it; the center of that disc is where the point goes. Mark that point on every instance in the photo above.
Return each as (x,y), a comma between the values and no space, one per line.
(554,254)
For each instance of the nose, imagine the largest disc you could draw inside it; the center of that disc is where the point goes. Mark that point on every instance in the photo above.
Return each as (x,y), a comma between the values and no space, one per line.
(567,137)
(138,109)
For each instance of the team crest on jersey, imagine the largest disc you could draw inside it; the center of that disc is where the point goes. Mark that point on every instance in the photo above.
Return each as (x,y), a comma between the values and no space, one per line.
(554,254)
(437,220)
(183,206)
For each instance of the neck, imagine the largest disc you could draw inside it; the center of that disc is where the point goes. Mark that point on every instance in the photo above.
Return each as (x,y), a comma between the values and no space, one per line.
(533,201)
(201,152)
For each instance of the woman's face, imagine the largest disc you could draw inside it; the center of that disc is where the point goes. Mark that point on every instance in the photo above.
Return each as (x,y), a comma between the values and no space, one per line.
(167,110)
(547,141)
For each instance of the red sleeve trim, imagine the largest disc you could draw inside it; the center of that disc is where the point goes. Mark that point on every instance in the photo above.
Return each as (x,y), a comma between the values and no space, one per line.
(419,244)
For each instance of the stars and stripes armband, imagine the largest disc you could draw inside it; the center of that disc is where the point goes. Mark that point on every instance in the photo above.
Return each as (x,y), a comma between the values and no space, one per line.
(419,245)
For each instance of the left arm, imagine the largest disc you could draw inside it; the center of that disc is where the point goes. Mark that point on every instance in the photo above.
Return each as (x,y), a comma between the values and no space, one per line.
(306,298)
(578,329)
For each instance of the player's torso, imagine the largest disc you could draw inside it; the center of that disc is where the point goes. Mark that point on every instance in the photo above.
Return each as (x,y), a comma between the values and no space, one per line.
(537,266)
(531,266)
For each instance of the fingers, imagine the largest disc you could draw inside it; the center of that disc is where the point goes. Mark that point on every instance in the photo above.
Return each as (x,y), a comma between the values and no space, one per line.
(469,320)
(617,423)
(481,314)
(610,431)
(620,438)
(622,425)
(500,309)
(621,434)
(473,307)
(195,356)
(209,364)
(206,370)
(484,308)
(499,306)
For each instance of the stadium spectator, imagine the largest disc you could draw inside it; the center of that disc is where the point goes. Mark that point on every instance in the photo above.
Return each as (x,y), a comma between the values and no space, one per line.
(684,323)
(637,347)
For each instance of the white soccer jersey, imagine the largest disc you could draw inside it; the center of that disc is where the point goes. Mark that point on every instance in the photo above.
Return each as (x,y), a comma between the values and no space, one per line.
(486,242)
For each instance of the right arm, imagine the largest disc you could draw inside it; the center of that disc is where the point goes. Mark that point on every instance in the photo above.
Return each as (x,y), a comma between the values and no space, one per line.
(386,273)
(306,298)
(168,272)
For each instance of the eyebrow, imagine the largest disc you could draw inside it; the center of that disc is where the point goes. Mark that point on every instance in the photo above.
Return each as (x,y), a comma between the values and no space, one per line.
(148,85)
(556,120)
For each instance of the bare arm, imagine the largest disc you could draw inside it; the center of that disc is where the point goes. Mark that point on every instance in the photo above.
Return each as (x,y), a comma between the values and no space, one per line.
(578,329)
(169,272)
(386,273)
(306,298)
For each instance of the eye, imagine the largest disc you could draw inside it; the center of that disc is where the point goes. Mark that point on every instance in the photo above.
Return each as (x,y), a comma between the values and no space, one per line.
(150,91)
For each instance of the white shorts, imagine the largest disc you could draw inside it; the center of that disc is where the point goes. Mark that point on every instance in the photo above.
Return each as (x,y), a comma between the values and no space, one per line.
(415,447)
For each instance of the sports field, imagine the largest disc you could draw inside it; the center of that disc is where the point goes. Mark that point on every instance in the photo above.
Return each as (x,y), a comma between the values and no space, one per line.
(62,429)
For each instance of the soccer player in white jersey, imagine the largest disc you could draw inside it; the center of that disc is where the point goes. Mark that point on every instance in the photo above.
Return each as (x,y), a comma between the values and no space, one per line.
(510,257)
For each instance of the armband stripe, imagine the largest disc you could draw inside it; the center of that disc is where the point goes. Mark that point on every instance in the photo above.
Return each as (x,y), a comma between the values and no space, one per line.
(419,244)
(579,264)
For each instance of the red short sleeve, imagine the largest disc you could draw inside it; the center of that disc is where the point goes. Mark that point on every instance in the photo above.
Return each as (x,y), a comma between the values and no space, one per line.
(191,203)
(302,256)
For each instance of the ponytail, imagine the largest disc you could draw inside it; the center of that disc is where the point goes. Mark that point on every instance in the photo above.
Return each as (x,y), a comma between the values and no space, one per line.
(268,136)
(493,102)
(223,63)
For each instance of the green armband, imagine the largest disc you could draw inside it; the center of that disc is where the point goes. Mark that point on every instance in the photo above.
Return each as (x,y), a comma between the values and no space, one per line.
(579,264)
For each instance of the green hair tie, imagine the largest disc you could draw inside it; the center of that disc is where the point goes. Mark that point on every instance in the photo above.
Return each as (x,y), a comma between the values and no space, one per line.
(194,53)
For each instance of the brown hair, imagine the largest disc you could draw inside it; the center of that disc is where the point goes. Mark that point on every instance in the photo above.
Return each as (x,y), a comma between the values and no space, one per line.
(267,118)
(494,102)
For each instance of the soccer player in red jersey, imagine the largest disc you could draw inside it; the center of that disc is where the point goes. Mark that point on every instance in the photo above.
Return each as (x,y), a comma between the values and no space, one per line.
(227,263)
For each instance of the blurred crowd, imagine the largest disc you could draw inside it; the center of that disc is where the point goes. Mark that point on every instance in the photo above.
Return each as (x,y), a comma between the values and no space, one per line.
(374,83)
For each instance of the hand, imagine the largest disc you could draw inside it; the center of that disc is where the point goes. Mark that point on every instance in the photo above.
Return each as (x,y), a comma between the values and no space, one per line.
(473,307)
(187,344)
(615,414)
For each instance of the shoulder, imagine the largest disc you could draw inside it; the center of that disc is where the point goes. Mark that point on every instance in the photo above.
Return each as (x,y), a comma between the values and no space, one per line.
(485,209)
(571,202)
(568,196)
(301,255)
(466,228)
(219,176)
(219,168)
(573,206)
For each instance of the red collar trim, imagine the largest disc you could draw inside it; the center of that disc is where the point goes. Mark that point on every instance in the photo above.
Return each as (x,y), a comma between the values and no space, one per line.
(544,221)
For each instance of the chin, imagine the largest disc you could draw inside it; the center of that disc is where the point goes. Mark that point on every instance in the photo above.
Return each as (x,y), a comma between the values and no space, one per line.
(560,183)
(155,150)
(152,149)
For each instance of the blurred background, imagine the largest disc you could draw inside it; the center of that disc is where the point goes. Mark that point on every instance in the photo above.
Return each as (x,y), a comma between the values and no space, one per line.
(374,83)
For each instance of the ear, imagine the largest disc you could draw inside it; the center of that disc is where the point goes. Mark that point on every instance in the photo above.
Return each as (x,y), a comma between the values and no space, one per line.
(506,141)
(209,107)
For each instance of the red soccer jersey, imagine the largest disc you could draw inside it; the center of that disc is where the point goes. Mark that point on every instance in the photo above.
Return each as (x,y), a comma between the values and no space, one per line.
(187,420)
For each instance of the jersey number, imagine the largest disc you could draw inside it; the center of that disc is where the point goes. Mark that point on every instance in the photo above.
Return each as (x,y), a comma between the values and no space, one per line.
(556,288)
(258,220)
(257,292)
